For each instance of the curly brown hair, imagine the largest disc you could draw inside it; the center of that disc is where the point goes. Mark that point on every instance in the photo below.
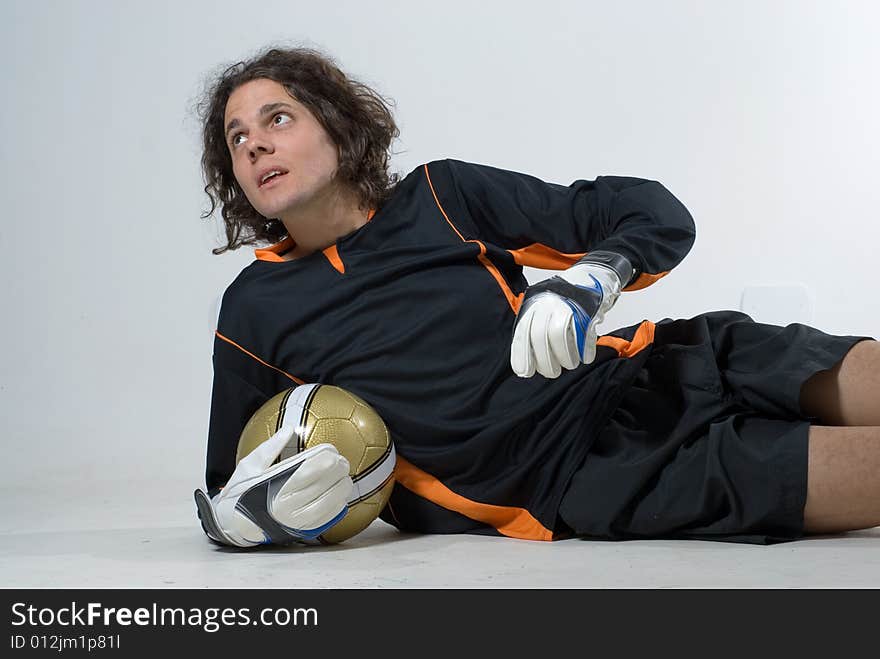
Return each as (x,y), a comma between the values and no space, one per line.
(356,118)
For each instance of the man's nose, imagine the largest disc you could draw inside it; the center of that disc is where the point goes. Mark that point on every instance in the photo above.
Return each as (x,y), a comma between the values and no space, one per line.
(260,144)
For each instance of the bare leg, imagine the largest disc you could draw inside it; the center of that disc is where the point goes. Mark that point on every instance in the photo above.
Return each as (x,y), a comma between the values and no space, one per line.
(843,479)
(849,393)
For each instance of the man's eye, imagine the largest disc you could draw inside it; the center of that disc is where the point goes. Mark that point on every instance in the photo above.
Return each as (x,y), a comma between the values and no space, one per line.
(280,114)
(233,139)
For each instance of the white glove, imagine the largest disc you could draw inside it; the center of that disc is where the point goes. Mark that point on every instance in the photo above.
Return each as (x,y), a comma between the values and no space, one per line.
(297,499)
(556,325)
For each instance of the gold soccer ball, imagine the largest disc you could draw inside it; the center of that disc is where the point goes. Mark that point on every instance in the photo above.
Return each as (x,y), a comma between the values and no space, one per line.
(327,414)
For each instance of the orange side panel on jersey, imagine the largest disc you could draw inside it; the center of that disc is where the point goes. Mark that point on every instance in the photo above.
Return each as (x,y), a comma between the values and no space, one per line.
(537,255)
(643,337)
(509,521)
(295,379)
(541,256)
(513,300)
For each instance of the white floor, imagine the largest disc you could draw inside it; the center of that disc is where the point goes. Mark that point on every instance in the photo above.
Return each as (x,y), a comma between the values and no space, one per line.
(127,536)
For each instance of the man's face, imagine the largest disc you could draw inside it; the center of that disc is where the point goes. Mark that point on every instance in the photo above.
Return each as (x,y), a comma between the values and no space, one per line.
(287,137)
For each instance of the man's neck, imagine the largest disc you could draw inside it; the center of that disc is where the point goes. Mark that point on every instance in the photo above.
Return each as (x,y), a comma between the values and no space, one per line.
(320,226)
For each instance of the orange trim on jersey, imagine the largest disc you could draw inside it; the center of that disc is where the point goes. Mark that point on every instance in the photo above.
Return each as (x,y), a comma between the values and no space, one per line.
(541,256)
(515,301)
(332,255)
(643,337)
(230,341)
(509,521)
(332,252)
(274,252)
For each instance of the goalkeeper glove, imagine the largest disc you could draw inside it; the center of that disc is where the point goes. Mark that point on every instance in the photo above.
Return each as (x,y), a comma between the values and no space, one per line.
(556,324)
(297,499)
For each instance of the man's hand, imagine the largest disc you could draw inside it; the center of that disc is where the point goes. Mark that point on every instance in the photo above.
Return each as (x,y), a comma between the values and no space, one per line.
(556,325)
(297,499)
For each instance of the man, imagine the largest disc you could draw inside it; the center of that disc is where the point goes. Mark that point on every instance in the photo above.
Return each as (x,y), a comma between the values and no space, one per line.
(509,415)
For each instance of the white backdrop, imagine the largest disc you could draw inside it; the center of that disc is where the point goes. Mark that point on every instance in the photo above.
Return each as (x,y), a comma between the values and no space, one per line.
(760,116)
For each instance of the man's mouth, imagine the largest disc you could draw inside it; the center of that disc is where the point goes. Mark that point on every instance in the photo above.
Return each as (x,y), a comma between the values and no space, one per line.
(271,180)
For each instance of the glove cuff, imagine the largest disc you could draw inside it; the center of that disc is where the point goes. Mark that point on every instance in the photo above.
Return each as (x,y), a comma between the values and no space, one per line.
(618,263)
(211,525)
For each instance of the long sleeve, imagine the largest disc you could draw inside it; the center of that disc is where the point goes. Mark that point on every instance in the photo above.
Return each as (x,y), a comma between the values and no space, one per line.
(233,402)
(551,226)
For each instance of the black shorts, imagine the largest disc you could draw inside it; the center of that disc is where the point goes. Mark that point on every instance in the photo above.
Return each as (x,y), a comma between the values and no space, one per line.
(709,442)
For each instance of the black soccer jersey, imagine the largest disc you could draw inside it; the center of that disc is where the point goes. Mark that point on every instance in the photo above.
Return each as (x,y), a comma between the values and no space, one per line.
(414,312)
